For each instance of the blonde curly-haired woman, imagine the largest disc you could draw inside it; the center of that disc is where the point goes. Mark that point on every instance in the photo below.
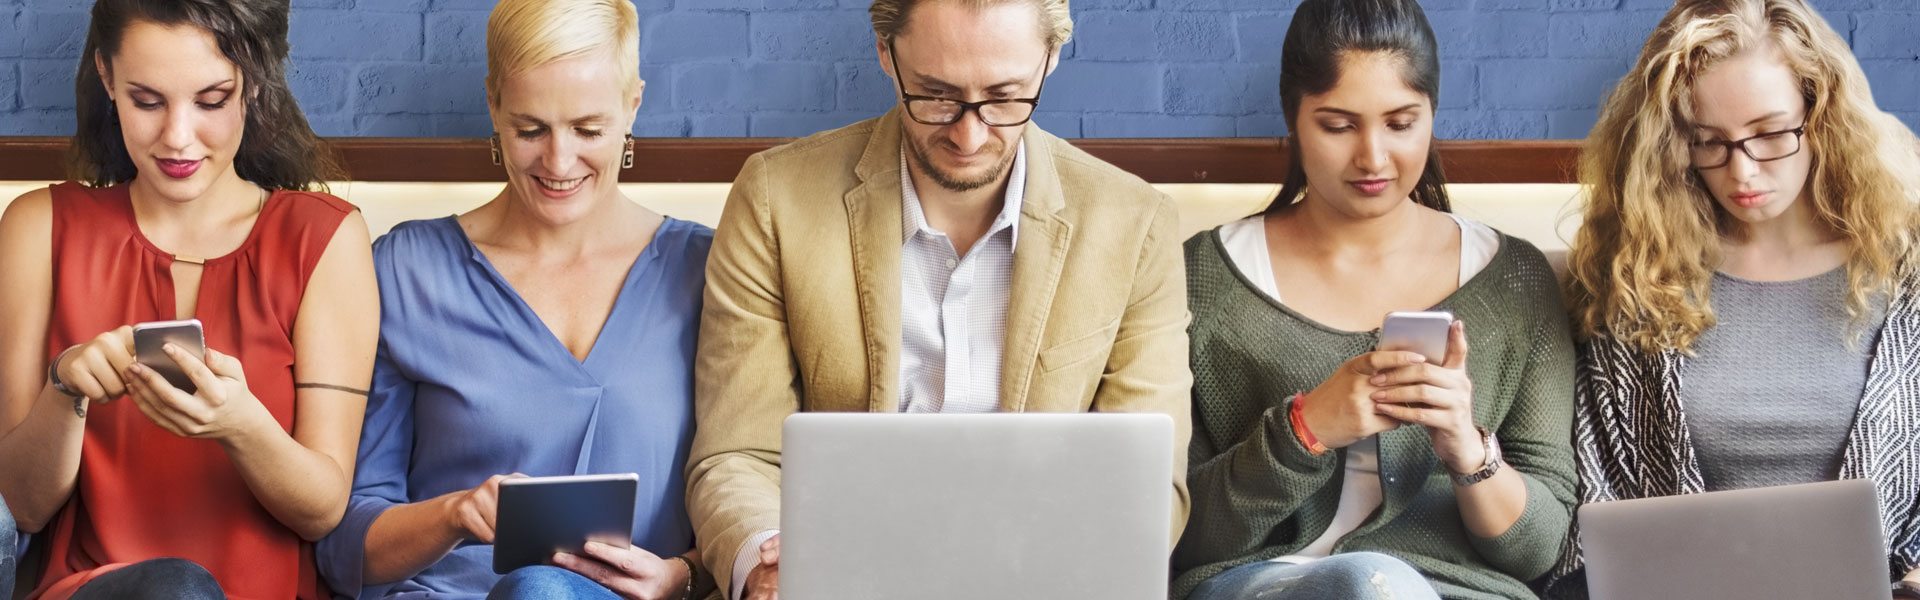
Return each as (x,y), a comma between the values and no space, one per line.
(1748,254)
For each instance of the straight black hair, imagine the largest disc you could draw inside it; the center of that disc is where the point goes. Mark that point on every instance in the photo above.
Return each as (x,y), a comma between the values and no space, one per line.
(278,149)
(1322,33)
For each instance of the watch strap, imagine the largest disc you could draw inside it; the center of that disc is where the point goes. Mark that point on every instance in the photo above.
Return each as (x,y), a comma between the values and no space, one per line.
(1487,469)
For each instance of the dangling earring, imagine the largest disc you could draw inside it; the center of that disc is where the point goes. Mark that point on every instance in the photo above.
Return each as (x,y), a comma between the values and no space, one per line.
(493,143)
(626,159)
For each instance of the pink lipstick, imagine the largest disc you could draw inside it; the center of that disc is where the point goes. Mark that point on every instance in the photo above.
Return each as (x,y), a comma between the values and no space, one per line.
(179,169)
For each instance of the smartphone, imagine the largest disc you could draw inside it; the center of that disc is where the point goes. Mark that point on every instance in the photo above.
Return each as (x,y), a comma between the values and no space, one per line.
(149,338)
(1424,333)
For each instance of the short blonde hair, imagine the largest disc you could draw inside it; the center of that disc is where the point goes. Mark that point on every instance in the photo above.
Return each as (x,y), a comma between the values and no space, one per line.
(525,34)
(890,17)
(1641,267)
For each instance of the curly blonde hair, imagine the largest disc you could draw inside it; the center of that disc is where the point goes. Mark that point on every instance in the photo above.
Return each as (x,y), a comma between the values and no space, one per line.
(525,34)
(890,17)
(1641,267)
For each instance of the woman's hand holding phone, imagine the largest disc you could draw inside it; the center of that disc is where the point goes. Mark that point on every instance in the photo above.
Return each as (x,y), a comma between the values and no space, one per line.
(1439,397)
(222,408)
(94,369)
(1342,409)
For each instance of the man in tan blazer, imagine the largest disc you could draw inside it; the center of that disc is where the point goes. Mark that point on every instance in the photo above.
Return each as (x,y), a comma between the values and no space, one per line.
(946,257)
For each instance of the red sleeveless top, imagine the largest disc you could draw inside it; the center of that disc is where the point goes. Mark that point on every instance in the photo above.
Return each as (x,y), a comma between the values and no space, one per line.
(145,493)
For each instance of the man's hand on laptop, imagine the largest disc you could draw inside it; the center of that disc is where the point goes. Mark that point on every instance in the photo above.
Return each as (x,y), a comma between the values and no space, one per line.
(763,582)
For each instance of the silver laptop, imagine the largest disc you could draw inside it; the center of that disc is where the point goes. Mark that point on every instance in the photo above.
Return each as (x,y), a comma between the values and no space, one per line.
(1003,506)
(1817,540)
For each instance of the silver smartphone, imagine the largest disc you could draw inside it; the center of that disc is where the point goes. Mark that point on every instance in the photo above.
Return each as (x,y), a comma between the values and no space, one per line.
(149,338)
(1424,333)
(538,516)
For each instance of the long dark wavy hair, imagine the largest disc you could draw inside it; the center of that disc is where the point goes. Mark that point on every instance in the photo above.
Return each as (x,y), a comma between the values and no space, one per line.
(278,149)
(1321,33)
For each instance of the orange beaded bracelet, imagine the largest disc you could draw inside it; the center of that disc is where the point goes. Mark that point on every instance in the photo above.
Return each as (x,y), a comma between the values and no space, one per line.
(1300,431)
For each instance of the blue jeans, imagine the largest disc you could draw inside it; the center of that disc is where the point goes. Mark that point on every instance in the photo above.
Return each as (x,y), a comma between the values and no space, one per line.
(169,578)
(1348,576)
(541,581)
(9,551)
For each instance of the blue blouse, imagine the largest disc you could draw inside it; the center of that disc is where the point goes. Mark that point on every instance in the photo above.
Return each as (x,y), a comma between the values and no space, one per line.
(469,383)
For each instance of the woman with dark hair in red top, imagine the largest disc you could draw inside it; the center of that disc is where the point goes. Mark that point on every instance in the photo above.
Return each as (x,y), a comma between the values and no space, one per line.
(197,167)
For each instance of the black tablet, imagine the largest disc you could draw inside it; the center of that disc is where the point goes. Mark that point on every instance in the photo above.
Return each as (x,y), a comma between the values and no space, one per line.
(538,516)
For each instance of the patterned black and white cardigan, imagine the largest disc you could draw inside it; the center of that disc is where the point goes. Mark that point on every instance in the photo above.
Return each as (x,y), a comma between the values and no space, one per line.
(1631,441)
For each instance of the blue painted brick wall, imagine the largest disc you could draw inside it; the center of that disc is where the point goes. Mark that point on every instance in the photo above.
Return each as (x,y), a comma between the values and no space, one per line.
(1137,68)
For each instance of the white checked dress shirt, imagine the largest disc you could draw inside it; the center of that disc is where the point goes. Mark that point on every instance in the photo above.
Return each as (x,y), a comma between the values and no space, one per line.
(953,309)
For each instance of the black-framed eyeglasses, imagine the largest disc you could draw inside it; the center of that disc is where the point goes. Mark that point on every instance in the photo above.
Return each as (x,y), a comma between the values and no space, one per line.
(1003,112)
(1769,146)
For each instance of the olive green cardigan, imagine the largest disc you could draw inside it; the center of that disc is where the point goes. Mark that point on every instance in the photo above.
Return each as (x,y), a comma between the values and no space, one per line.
(1258,494)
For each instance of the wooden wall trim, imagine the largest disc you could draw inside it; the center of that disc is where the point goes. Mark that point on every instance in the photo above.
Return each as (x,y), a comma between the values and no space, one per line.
(717,160)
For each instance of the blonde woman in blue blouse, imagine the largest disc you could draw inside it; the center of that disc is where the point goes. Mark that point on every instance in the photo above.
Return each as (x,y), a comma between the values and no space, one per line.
(548,332)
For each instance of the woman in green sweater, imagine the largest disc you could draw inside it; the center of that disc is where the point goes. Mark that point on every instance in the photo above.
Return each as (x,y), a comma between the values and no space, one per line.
(1320,467)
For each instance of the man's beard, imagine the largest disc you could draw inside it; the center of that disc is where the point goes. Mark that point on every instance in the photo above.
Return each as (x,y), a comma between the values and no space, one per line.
(952,181)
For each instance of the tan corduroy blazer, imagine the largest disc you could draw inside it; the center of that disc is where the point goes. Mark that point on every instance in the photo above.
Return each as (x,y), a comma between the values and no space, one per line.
(802,310)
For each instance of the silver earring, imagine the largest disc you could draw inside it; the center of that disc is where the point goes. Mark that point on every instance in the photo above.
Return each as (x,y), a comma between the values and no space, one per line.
(626,159)
(493,143)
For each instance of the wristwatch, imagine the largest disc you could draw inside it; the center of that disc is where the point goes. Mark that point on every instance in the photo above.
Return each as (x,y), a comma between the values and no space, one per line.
(1906,590)
(1488,468)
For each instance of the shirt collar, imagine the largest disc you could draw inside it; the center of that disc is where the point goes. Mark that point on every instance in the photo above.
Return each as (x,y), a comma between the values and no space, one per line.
(914,220)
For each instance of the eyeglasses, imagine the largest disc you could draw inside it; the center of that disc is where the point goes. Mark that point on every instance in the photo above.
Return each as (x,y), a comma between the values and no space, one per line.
(1004,112)
(1769,146)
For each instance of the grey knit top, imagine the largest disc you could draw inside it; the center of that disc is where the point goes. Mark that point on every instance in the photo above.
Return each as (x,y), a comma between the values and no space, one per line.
(1258,494)
(1773,386)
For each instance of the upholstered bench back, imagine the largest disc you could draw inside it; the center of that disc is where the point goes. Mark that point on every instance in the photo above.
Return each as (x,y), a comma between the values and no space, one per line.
(1544,214)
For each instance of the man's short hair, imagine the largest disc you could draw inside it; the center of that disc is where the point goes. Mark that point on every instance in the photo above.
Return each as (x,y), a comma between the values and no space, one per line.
(890,17)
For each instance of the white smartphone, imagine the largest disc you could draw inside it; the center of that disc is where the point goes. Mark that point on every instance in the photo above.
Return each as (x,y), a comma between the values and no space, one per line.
(1424,333)
(149,338)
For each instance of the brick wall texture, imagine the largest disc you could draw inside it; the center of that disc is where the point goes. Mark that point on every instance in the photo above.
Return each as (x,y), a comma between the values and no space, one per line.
(1512,69)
